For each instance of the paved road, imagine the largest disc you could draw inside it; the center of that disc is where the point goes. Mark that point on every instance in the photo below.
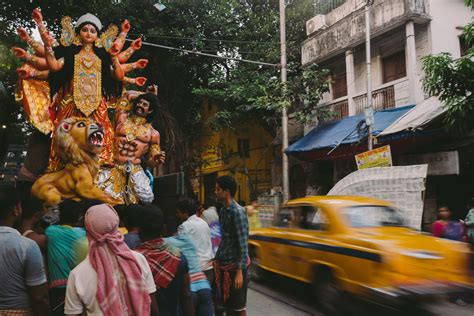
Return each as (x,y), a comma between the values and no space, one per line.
(276,296)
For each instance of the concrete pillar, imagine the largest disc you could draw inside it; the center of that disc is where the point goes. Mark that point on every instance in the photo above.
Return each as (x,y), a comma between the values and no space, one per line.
(350,78)
(416,94)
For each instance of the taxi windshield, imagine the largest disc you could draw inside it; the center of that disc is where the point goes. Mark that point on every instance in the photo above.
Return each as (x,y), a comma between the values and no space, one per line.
(372,216)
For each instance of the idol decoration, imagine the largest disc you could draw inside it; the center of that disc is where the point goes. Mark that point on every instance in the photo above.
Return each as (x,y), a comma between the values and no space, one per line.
(136,141)
(66,88)
(78,142)
(81,76)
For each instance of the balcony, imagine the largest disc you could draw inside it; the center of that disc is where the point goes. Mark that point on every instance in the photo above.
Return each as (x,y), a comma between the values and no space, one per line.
(382,99)
(336,109)
(387,96)
(339,109)
(346,26)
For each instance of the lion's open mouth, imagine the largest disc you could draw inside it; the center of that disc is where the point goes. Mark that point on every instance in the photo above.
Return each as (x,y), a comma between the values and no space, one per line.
(96,138)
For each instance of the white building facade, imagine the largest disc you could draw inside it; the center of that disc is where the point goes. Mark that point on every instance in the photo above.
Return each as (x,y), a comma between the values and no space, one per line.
(402,33)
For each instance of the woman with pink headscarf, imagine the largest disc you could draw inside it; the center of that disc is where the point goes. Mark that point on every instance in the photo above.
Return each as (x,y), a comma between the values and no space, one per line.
(112,280)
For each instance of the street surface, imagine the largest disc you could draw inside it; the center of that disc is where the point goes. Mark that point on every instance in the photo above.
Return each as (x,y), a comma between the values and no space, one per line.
(278,296)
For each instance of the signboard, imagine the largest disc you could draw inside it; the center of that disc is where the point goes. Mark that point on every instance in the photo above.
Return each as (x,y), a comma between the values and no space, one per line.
(379,157)
(439,164)
(211,159)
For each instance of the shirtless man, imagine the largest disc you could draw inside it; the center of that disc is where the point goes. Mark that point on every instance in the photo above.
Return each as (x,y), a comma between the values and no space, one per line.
(135,138)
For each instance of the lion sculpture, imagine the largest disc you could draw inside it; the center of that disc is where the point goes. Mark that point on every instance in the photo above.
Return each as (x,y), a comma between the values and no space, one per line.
(78,144)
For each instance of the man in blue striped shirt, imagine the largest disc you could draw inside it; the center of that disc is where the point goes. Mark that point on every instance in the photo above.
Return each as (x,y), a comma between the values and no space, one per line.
(232,256)
(200,287)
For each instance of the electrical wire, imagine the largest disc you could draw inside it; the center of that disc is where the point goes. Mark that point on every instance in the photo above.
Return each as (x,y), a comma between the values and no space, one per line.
(209,55)
(203,39)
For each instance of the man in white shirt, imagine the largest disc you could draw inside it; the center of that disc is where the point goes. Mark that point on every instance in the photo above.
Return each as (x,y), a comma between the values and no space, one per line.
(112,280)
(196,229)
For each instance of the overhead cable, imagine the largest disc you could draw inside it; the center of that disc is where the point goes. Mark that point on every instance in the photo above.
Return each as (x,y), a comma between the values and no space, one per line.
(209,55)
(203,39)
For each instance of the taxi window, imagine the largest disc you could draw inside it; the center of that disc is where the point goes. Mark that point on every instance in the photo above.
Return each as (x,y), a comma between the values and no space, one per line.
(302,217)
(285,218)
(313,218)
(372,216)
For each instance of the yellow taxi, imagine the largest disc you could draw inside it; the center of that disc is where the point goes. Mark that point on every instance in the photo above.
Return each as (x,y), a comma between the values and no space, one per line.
(357,245)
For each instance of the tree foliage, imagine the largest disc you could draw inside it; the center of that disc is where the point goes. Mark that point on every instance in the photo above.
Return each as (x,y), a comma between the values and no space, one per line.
(239,28)
(245,92)
(452,80)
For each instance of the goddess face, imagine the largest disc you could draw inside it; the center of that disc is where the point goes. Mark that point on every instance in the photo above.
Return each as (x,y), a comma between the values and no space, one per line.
(88,34)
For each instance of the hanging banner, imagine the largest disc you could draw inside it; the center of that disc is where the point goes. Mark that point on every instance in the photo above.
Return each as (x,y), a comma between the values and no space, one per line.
(379,157)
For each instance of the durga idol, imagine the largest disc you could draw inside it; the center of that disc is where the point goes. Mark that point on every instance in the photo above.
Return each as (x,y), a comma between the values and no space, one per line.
(84,73)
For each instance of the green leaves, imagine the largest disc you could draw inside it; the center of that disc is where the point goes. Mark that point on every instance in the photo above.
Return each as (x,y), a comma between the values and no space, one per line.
(250,93)
(453,82)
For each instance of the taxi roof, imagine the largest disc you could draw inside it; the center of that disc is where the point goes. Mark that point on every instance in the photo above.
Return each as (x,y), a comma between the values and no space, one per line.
(340,200)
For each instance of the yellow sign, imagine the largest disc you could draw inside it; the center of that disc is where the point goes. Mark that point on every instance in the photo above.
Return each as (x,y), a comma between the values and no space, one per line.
(211,159)
(379,157)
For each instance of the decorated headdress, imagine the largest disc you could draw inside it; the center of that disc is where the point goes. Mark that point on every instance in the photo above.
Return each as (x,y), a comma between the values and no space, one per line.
(69,36)
(89,19)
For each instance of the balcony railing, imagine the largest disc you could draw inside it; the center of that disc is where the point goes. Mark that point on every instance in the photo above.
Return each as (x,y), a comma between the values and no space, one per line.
(381,99)
(338,110)
(325,6)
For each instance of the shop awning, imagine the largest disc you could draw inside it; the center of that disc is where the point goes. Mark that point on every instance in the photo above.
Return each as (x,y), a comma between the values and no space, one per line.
(345,131)
(417,118)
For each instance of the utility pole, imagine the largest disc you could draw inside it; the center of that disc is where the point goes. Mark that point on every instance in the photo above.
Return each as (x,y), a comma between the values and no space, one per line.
(284,114)
(369,110)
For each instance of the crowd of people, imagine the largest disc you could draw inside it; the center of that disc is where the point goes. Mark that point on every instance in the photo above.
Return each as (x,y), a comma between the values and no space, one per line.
(121,260)
(458,230)
(449,228)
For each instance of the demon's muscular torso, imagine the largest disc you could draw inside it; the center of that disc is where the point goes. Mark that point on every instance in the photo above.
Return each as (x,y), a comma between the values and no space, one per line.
(135,138)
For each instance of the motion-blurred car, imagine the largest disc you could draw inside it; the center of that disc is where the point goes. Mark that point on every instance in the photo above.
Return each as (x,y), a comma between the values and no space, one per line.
(359,246)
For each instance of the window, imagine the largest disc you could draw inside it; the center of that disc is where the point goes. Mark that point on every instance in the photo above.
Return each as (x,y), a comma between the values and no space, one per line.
(284,218)
(303,217)
(372,216)
(243,148)
(339,86)
(394,67)
(463,47)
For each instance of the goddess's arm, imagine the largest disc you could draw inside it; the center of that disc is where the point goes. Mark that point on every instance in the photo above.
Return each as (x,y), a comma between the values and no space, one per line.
(139,81)
(120,40)
(117,71)
(37,62)
(126,54)
(27,72)
(38,48)
(53,64)
(141,63)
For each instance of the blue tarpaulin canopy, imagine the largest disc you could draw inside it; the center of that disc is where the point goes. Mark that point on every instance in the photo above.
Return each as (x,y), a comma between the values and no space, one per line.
(345,131)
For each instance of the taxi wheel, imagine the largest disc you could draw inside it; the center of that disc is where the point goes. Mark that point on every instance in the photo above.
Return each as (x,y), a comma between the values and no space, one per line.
(328,293)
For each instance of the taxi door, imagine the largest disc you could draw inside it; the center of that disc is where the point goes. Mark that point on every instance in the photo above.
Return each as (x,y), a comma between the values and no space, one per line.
(273,250)
(306,240)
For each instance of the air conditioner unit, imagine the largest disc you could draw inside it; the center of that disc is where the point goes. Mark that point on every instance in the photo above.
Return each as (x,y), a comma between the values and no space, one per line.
(315,24)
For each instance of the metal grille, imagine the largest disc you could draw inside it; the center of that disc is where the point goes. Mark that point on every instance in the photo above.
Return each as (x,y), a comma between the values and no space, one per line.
(325,6)
(339,110)
(381,99)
